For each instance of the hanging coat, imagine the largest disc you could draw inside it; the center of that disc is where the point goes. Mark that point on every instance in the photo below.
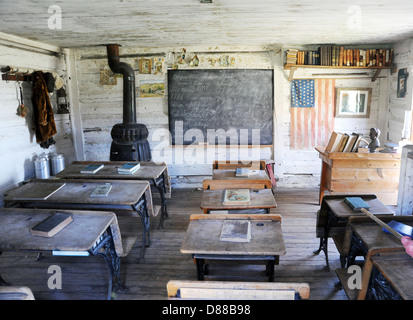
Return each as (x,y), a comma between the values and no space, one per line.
(45,126)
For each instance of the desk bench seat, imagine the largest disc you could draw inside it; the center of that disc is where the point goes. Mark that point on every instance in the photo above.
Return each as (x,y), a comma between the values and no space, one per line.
(232,290)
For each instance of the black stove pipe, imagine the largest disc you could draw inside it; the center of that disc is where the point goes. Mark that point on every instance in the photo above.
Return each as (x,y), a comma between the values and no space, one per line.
(129,104)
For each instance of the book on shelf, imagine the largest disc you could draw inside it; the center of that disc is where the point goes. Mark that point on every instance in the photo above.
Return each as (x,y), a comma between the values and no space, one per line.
(351,142)
(101,190)
(236,231)
(51,225)
(242,172)
(92,168)
(403,229)
(343,142)
(129,167)
(236,197)
(38,190)
(356,203)
(339,56)
(334,141)
(291,56)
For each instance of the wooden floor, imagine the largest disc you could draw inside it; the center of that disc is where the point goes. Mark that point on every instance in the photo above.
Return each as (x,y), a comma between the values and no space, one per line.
(86,277)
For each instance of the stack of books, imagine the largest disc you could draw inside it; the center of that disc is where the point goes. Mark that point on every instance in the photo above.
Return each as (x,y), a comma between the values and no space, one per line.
(343,142)
(292,57)
(129,168)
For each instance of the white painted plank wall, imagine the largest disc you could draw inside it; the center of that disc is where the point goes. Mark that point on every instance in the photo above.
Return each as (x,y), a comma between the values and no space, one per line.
(17,138)
(397,107)
(101,108)
(302,168)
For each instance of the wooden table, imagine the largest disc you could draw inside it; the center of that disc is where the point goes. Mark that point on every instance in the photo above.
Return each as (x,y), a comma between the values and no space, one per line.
(260,199)
(391,278)
(90,233)
(202,240)
(125,198)
(156,173)
(225,174)
(358,172)
(333,216)
(368,239)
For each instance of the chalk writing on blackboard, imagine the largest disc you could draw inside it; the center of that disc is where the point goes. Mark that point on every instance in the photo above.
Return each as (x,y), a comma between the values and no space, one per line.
(228,106)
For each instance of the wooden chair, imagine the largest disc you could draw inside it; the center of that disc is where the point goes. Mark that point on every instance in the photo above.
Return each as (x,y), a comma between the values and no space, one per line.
(236,184)
(228,164)
(231,290)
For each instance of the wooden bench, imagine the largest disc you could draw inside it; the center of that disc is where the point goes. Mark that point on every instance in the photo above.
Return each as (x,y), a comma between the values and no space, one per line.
(236,184)
(231,290)
(228,164)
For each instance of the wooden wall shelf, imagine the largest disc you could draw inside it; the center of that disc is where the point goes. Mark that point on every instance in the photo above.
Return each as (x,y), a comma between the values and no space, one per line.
(293,68)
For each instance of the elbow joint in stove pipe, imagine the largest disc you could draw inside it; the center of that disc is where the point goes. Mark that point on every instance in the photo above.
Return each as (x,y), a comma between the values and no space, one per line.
(129,103)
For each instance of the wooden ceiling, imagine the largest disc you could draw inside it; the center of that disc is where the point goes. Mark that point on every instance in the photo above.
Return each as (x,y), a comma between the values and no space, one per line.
(181,23)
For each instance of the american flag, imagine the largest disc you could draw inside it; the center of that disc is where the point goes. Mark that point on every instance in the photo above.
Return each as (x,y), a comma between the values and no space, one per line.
(311,127)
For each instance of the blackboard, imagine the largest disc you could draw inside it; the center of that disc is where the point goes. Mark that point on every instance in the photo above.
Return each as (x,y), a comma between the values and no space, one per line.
(221,106)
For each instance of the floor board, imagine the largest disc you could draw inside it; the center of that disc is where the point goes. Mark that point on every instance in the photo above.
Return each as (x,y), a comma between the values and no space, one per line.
(86,278)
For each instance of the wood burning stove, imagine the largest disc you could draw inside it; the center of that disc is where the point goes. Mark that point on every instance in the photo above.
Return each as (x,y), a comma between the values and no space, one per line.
(130,139)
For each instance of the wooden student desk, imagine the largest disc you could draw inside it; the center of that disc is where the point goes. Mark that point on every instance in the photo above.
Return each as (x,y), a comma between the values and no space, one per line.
(260,199)
(333,216)
(360,172)
(156,173)
(202,240)
(90,233)
(126,198)
(366,238)
(391,278)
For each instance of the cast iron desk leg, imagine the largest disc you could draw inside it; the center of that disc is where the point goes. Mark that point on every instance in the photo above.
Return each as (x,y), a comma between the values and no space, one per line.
(324,241)
(2,282)
(200,268)
(106,249)
(160,185)
(142,209)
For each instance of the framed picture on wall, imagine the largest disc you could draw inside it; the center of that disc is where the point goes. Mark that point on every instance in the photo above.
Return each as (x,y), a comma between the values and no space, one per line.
(353,102)
(402,83)
(145,66)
